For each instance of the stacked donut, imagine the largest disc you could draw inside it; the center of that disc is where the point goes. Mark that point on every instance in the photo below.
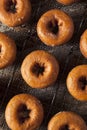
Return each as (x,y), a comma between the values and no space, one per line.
(40,68)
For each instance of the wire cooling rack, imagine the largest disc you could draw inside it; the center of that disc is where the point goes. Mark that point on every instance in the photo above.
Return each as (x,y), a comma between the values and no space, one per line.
(54,98)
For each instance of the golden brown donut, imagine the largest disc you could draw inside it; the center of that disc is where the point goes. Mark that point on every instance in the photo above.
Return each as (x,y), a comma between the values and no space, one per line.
(67,121)
(83,44)
(24,112)
(7,50)
(77,82)
(67,2)
(14,12)
(40,69)
(55,27)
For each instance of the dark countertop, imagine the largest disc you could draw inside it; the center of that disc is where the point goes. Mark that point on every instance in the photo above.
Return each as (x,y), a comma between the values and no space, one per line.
(56,97)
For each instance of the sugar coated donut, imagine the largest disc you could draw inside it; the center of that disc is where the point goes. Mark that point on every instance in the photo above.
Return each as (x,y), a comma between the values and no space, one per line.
(40,69)
(77,82)
(83,44)
(14,12)
(55,27)
(24,112)
(67,2)
(7,50)
(67,121)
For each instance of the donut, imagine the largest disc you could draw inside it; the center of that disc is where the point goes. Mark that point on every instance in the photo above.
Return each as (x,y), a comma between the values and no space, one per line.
(83,44)
(7,51)
(55,27)
(14,12)
(40,69)
(67,2)
(77,82)
(24,112)
(67,121)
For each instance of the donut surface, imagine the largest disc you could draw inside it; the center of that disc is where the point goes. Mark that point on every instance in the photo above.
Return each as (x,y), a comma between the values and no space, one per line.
(67,121)
(83,44)
(77,82)
(7,50)
(24,112)
(14,12)
(67,2)
(55,27)
(40,69)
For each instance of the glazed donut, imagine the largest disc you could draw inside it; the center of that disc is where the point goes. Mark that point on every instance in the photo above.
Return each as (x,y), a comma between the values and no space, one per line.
(7,50)
(67,2)
(77,82)
(40,69)
(83,44)
(55,27)
(67,121)
(24,112)
(14,12)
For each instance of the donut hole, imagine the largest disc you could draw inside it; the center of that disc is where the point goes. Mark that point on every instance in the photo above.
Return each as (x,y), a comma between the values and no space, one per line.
(0,48)
(38,69)
(53,26)
(11,6)
(1,51)
(83,82)
(65,127)
(23,113)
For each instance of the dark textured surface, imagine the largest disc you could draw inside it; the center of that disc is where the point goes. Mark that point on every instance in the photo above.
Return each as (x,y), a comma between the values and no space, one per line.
(54,98)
